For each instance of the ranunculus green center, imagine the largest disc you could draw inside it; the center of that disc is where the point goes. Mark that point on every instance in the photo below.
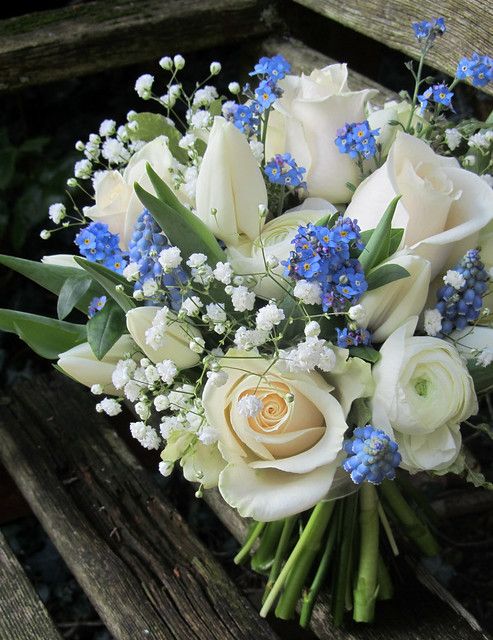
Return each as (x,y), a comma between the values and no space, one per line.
(422,385)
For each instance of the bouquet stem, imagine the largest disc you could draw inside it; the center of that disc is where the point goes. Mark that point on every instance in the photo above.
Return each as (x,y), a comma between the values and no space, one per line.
(244,552)
(366,589)
(264,556)
(345,535)
(385,586)
(282,548)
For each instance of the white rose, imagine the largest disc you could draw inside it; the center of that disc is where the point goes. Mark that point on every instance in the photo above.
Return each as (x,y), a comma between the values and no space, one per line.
(442,209)
(283,460)
(81,364)
(423,392)
(276,237)
(112,196)
(396,112)
(305,121)
(231,184)
(175,342)
(388,307)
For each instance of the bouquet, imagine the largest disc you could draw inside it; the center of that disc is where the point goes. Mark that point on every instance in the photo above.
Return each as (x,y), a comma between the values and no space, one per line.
(289,289)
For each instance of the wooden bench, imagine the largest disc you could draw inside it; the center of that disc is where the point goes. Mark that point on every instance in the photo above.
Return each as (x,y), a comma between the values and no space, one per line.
(143,568)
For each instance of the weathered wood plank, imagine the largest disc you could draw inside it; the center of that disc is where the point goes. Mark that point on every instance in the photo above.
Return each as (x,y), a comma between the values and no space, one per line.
(469,25)
(421,609)
(146,574)
(22,614)
(94,36)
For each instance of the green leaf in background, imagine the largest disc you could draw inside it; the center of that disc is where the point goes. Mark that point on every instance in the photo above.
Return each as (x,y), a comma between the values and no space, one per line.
(369,354)
(52,277)
(152,125)
(328,220)
(45,336)
(109,280)
(395,238)
(104,329)
(482,376)
(360,413)
(71,292)
(378,247)
(181,226)
(383,275)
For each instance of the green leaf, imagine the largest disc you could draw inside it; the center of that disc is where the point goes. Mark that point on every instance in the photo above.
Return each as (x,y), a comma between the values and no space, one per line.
(109,280)
(104,329)
(483,427)
(395,238)
(477,478)
(378,247)
(52,277)
(71,292)
(369,354)
(383,275)
(360,413)
(482,376)
(328,220)
(46,336)
(153,125)
(180,225)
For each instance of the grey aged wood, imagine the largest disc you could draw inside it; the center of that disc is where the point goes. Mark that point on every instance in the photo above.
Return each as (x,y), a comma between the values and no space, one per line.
(469,25)
(93,36)
(22,614)
(145,572)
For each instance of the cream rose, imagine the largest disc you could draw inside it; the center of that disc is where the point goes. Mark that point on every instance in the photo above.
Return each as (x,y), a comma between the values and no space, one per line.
(275,242)
(422,393)
(282,460)
(442,209)
(392,111)
(305,122)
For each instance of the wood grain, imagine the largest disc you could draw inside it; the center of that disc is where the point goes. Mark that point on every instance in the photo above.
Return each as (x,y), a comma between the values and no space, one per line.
(469,25)
(22,614)
(145,572)
(89,37)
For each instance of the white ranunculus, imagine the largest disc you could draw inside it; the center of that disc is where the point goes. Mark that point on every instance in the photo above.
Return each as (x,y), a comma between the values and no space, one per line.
(283,460)
(276,237)
(443,207)
(388,307)
(81,364)
(230,185)
(116,204)
(175,342)
(423,392)
(61,260)
(305,121)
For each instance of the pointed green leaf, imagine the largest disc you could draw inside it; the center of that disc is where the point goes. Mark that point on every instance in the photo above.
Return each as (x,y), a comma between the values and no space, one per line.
(152,125)
(395,238)
(109,280)
(104,329)
(71,292)
(369,354)
(378,247)
(383,275)
(46,336)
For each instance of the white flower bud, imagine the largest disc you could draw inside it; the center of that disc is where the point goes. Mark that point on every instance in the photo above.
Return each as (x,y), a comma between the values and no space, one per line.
(234,88)
(215,68)
(179,61)
(45,234)
(166,63)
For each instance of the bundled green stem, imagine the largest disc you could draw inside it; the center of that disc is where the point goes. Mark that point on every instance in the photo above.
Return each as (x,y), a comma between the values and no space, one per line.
(244,552)
(281,551)
(366,589)
(342,575)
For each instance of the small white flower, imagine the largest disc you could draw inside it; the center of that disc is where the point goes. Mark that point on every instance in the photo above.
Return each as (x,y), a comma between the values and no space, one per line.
(257,149)
(110,406)
(223,272)
(83,169)
(161,402)
(107,128)
(166,63)
(179,61)
(79,145)
(215,313)
(142,410)
(272,261)
(165,468)
(45,234)
(217,378)
(203,97)
(131,271)
(132,390)
(123,373)
(203,275)
(358,314)
(138,294)
(454,279)
(97,389)
(208,435)
(196,260)
(167,371)
(197,344)
(187,141)
(249,405)
(170,258)
(168,425)
(234,88)
(151,373)
(115,151)
(478,141)
(469,161)
(143,86)
(149,287)
(432,322)
(201,119)
(57,212)
(485,357)
(452,138)
(247,339)
(312,329)
(242,299)
(268,317)
(215,68)
(308,292)
(191,306)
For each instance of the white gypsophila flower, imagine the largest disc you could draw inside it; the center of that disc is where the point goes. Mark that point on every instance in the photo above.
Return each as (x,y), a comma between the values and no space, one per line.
(215,68)
(308,292)
(201,119)
(94,138)
(193,421)
(123,372)
(167,371)
(187,141)
(166,63)
(170,258)
(151,373)
(57,212)
(242,298)
(217,378)
(312,329)
(432,322)
(488,179)
(257,149)
(247,339)
(215,313)
(452,138)
(197,344)
(220,328)
(454,279)
(196,260)
(145,362)
(107,128)
(155,334)
(203,275)
(175,90)
(142,410)
(310,354)
(179,61)
(143,85)
(45,234)
(136,145)
(485,357)
(97,176)
(168,425)
(272,261)
(469,161)
(110,406)
(357,314)
(249,406)
(151,439)
(165,468)
(203,97)
(132,390)
(168,100)
(180,397)
(83,169)
(223,272)
(190,184)
(150,287)
(478,141)
(131,271)
(234,88)
(268,317)
(115,151)
(97,389)
(191,306)
(208,435)
(161,402)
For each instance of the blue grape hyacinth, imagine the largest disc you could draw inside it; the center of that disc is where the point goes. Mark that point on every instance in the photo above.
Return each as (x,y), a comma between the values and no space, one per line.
(372,456)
